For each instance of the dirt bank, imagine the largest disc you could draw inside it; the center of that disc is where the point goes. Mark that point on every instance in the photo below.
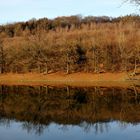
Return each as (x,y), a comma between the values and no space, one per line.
(75,79)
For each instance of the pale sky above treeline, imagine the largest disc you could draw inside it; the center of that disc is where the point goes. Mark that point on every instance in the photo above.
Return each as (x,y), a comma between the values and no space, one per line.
(23,10)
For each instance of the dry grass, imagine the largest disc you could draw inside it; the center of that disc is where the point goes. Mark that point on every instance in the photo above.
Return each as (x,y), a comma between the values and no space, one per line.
(60,78)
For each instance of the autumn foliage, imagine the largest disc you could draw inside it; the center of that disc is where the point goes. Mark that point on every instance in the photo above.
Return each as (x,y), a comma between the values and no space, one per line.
(71,44)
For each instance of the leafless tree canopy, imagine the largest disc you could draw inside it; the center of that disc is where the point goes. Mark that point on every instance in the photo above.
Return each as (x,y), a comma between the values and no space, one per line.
(71,44)
(137,2)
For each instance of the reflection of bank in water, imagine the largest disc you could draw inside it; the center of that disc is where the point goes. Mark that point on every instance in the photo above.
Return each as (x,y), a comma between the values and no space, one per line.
(44,105)
(69,105)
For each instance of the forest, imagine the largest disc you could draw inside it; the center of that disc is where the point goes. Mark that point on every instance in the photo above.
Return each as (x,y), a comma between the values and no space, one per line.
(71,44)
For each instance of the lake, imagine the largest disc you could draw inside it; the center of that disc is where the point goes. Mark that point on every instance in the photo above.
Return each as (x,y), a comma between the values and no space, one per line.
(68,113)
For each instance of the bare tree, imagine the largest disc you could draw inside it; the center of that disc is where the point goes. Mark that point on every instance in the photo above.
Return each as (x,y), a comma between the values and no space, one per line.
(136,2)
(1,57)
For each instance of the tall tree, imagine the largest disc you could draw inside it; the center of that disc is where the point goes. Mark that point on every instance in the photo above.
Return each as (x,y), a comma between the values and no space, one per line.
(136,2)
(2,61)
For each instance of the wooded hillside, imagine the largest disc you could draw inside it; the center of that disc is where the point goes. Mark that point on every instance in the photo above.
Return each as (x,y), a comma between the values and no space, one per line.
(71,44)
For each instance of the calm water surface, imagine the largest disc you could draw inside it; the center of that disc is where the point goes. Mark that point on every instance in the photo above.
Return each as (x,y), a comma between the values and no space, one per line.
(40,113)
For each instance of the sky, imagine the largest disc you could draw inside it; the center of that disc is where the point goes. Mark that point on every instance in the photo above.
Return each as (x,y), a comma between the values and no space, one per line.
(23,10)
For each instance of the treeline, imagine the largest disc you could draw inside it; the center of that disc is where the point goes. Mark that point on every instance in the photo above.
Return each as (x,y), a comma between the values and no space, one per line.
(33,25)
(71,44)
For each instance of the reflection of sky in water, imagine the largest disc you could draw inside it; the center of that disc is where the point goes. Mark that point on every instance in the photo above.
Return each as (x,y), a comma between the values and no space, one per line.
(84,131)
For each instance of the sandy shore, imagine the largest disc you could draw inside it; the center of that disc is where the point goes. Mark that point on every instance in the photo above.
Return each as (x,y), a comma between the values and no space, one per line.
(75,79)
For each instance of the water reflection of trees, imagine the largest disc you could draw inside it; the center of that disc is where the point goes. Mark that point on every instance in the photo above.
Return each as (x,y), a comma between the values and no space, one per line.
(98,127)
(30,127)
(89,108)
(5,122)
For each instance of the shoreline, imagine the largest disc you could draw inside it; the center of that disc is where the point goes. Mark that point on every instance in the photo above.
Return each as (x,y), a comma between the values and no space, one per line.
(79,79)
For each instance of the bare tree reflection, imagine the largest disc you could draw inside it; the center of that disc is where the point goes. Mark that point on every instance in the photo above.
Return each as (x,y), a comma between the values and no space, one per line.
(37,128)
(89,108)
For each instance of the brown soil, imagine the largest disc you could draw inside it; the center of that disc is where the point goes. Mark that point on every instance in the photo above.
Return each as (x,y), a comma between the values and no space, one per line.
(75,79)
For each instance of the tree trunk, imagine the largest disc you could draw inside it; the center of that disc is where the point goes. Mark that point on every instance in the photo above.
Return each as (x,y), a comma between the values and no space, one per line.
(135,68)
(46,68)
(68,67)
(0,70)
(39,68)
(95,60)
(68,64)
(1,59)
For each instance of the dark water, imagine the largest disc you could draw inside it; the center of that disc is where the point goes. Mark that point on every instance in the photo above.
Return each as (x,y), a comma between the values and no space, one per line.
(41,113)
